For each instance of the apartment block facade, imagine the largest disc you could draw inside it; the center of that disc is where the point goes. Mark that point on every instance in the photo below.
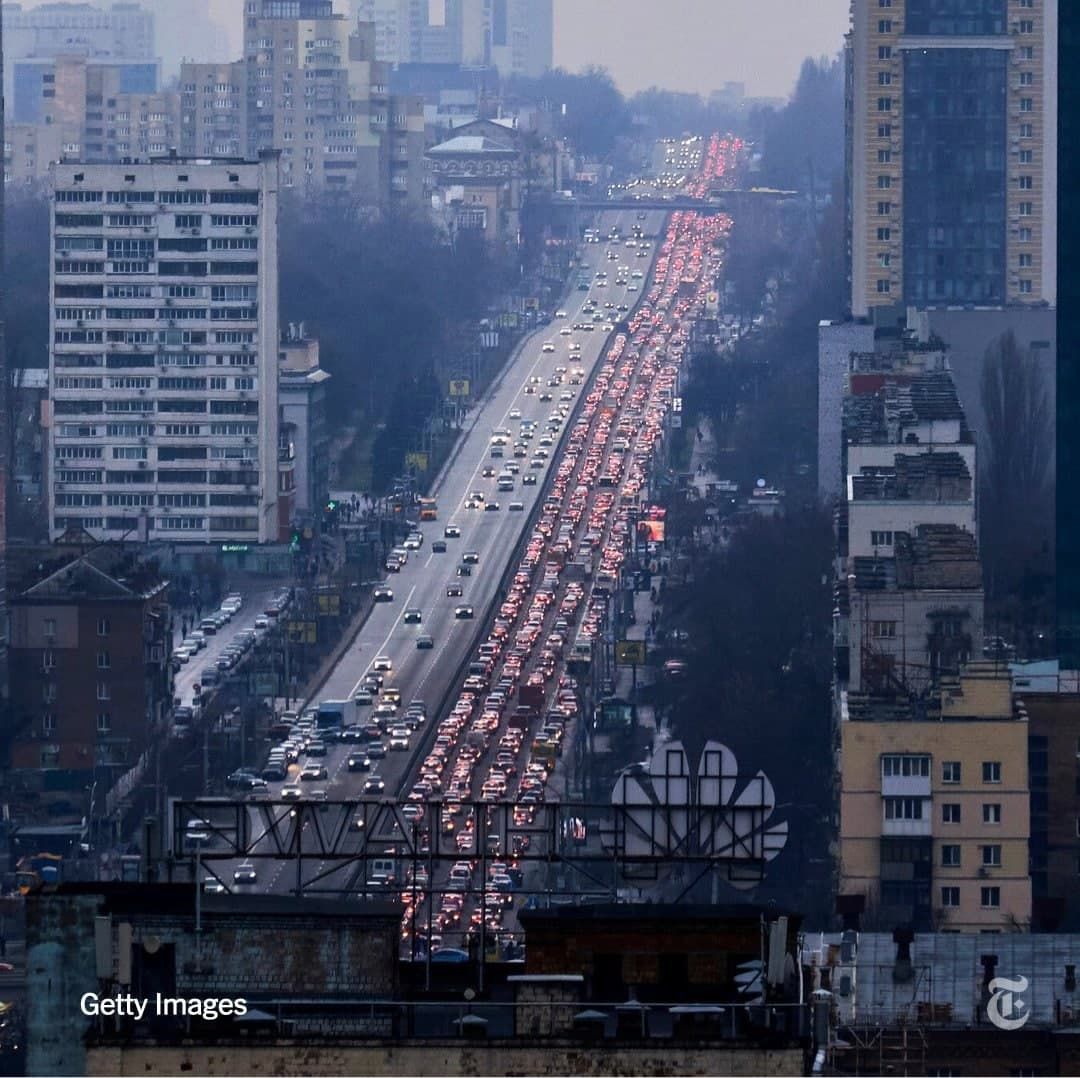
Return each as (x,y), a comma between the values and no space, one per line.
(213,110)
(122,33)
(934,806)
(162,419)
(952,152)
(316,92)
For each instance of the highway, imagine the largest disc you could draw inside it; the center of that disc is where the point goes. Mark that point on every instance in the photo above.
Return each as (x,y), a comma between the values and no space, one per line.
(602,451)
(493,535)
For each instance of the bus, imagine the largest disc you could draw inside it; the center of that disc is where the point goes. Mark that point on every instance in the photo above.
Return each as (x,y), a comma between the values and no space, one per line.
(428,509)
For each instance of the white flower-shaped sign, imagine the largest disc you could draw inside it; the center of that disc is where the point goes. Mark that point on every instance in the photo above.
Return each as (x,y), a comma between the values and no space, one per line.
(663,812)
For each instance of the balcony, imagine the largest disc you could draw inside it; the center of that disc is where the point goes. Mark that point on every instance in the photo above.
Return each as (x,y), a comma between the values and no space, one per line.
(905,786)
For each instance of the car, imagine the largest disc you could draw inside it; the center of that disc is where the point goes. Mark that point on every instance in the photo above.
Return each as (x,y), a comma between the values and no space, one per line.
(560,313)
(376,750)
(413,616)
(245,874)
(383,594)
(385,711)
(491,507)
(291,793)
(451,531)
(488,472)
(544,398)
(463,613)
(316,748)
(516,507)
(212,886)
(399,739)
(438,546)
(424,642)
(374,786)
(454,591)
(413,542)
(383,664)
(548,346)
(313,773)
(359,761)
(471,557)
(528,480)
(363,697)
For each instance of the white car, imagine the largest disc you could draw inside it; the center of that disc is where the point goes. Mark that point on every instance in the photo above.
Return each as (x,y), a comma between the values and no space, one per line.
(515,413)
(560,314)
(383,664)
(549,346)
(565,331)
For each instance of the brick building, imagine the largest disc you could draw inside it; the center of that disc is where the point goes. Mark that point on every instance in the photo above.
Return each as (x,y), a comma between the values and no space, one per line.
(91,648)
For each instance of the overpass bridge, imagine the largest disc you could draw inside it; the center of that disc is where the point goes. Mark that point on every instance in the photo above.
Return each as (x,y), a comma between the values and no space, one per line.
(717,201)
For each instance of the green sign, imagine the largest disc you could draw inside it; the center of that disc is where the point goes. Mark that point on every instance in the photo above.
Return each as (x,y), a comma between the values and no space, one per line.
(234,548)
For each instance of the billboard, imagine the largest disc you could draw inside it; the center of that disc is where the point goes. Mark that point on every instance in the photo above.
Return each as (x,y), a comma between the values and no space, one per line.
(459,387)
(650,531)
(419,461)
(630,652)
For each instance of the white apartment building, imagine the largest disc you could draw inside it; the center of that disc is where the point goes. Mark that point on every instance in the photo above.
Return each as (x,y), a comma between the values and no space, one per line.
(162,417)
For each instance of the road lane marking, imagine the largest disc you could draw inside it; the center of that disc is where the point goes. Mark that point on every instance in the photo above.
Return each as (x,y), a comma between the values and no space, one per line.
(382,647)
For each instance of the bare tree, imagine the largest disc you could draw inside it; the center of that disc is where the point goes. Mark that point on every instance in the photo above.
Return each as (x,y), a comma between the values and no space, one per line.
(1015,489)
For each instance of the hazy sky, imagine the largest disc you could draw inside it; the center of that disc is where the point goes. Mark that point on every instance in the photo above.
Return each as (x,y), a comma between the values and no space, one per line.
(694,45)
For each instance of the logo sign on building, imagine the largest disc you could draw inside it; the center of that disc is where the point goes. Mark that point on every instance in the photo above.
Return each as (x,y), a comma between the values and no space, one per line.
(1006,1008)
(330,604)
(630,652)
(419,461)
(459,387)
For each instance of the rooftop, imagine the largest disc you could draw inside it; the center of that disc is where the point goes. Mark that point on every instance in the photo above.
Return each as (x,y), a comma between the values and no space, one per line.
(472,144)
(928,477)
(80,578)
(937,556)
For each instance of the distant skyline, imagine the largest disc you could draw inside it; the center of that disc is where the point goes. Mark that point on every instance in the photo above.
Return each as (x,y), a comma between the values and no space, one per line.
(695,46)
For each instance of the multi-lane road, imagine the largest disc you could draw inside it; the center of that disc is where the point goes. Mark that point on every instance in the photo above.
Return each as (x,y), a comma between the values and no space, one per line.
(429,674)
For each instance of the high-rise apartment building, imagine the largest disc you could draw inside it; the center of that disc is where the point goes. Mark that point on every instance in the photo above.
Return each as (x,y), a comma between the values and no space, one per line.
(122,33)
(515,36)
(316,92)
(952,146)
(98,112)
(163,414)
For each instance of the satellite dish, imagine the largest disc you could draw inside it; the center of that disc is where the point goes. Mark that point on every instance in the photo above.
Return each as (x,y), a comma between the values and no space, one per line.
(152,944)
(760,484)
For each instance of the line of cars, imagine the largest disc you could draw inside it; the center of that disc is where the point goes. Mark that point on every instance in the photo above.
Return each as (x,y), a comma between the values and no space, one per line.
(483,745)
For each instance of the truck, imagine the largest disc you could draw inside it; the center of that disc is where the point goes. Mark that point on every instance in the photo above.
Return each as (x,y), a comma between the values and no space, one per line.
(530,704)
(335,714)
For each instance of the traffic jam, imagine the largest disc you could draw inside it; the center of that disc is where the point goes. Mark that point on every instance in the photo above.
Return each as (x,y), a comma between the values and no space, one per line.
(516,708)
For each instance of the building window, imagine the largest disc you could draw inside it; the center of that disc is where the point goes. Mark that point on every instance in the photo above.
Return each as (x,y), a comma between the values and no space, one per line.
(49,627)
(48,659)
(1027,130)
(896,765)
(950,771)
(48,724)
(103,692)
(103,627)
(1025,183)
(884,78)
(950,856)
(884,52)
(884,131)
(991,771)
(104,722)
(884,209)
(1026,26)
(1026,260)
(1025,287)
(103,660)
(950,896)
(883,630)
(883,285)
(48,692)
(884,259)
(1027,104)
(884,104)
(884,26)
(903,808)
(991,898)
(991,856)
(884,182)
(884,234)
(950,812)
(1027,78)
(884,156)
(1026,235)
